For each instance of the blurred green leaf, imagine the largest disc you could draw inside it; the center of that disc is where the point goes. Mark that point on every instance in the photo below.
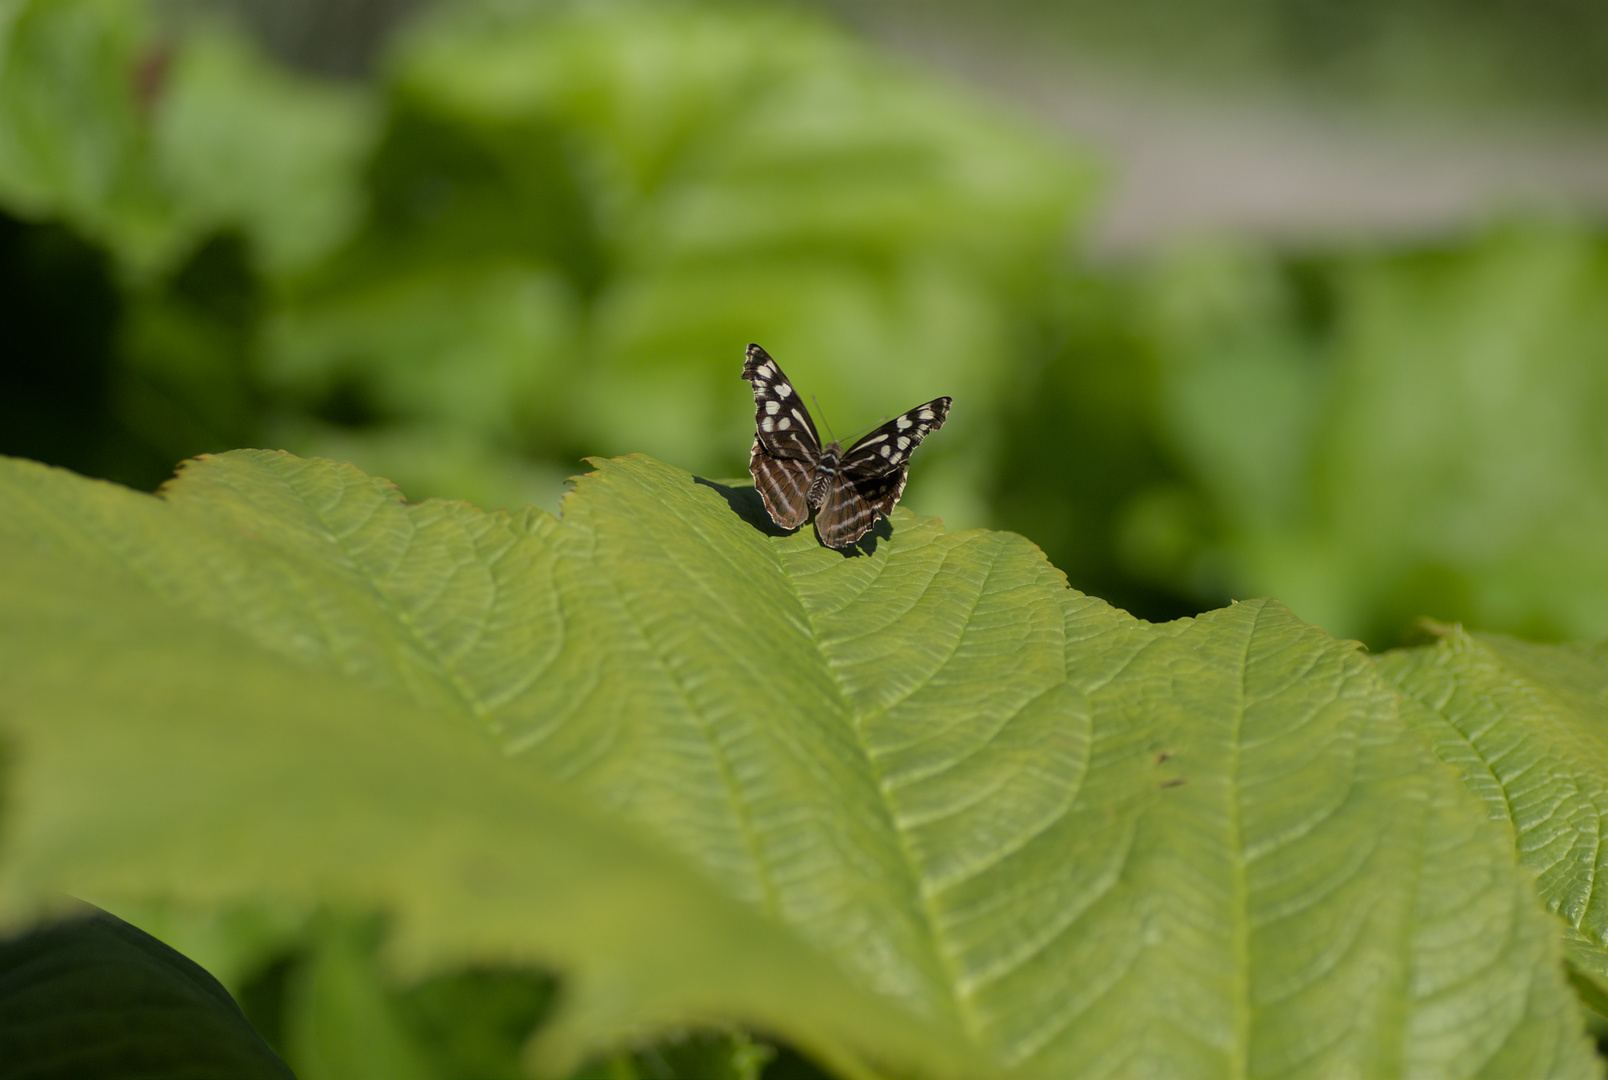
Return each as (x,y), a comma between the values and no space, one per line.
(1386,436)
(274,156)
(923,808)
(185,346)
(93,996)
(473,1022)
(343,1022)
(1487,370)
(148,141)
(233,944)
(77,82)
(714,1056)
(479,352)
(1086,467)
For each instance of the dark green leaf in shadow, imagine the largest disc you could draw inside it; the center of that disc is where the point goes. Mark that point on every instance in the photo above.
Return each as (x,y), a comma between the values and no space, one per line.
(93,996)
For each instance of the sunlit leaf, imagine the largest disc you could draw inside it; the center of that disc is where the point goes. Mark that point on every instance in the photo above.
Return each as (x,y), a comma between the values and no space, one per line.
(920,806)
(1527,726)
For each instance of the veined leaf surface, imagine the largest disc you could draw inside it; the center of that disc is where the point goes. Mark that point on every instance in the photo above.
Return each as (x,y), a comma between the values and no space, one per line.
(1527,726)
(923,808)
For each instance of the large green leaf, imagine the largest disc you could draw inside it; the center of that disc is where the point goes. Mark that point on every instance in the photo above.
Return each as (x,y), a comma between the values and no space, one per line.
(161,752)
(1527,726)
(919,806)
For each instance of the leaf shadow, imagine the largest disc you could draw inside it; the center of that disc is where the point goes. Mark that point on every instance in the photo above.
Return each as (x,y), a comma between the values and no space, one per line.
(867,544)
(746,504)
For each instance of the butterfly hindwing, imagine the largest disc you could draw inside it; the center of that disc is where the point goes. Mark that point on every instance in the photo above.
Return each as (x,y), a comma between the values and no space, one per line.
(851,506)
(783,484)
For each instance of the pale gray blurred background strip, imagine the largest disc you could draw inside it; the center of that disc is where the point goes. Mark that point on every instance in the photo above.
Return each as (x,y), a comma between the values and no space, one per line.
(1284,120)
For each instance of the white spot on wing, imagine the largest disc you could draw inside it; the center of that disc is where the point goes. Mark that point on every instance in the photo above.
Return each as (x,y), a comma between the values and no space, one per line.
(886,450)
(903,442)
(782,389)
(904,422)
(925,414)
(773,407)
(781,425)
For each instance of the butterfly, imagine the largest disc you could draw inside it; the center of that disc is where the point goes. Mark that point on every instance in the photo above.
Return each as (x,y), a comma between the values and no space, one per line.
(795,474)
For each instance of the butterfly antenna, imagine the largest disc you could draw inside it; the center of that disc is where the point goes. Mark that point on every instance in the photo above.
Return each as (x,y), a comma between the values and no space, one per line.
(822,415)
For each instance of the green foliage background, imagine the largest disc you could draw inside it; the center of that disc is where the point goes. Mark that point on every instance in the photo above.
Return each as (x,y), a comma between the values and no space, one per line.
(543,232)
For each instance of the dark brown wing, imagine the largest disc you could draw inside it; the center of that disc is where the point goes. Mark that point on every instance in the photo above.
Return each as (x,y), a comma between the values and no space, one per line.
(852,506)
(783,483)
(889,447)
(781,421)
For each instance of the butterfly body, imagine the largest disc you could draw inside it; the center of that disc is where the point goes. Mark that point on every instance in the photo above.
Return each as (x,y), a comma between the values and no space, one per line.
(794,473)
(826,470)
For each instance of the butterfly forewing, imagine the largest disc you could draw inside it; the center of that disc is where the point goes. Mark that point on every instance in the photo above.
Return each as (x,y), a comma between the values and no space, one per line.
(873,474)
(889,447)
(786,447)
(790,465)
(781,421)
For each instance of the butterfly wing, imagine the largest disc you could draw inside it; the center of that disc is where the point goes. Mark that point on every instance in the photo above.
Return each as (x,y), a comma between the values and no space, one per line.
(781,421)
(851,507)
(873,474)
(786,445)
(888,448)
(783,484)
